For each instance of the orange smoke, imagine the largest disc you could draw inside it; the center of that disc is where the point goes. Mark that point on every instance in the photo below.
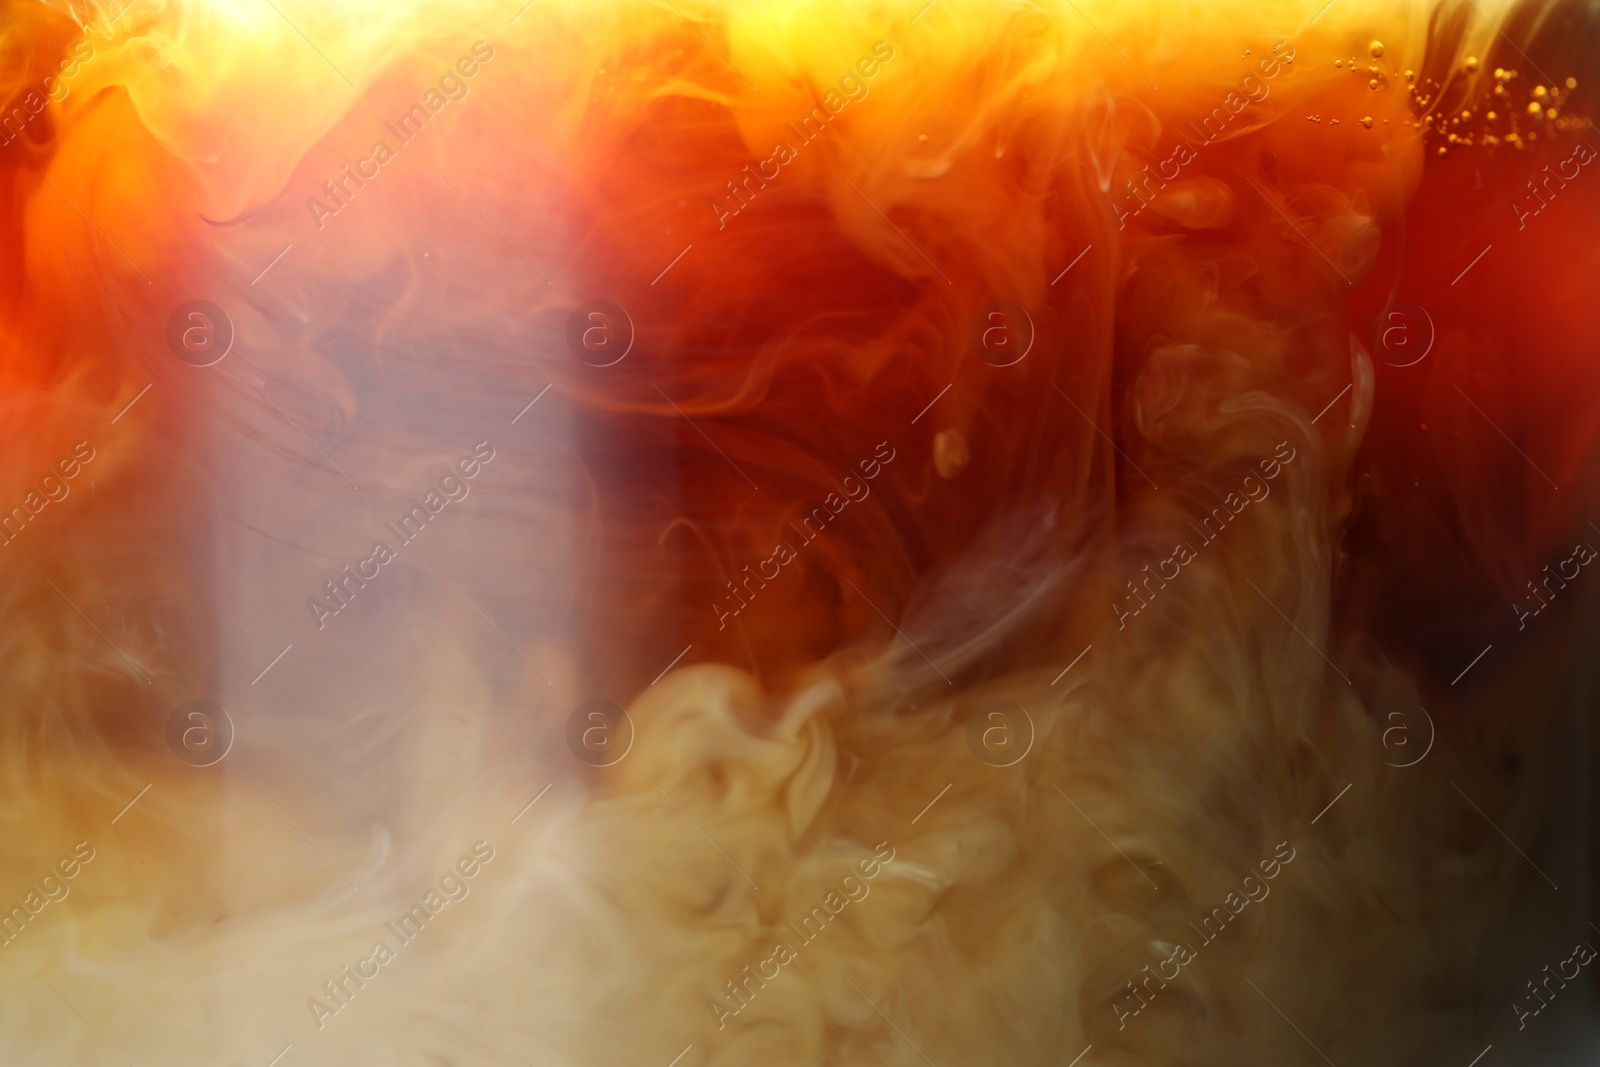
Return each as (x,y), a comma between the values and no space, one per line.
(1015,532)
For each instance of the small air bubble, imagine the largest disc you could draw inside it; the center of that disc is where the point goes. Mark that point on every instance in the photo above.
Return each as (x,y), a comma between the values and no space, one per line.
(1411,75)
(1373,84)
(1339,63)
(1539,91)
(1472,64)
(1572,83)
(1376,49)
(1535,110)
(922,138)
(1367,122)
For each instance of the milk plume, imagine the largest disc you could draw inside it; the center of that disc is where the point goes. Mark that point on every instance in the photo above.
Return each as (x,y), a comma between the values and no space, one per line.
(1223,320)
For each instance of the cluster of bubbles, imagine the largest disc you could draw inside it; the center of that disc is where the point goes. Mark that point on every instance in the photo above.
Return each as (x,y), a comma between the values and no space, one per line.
(1503,119)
